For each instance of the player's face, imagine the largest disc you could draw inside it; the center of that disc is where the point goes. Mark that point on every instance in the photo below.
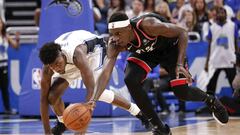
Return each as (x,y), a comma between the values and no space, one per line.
(59,64)
(120,36)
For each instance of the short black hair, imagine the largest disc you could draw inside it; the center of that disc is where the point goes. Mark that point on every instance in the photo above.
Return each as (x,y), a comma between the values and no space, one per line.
(118,16)
(49,52)
(219,9)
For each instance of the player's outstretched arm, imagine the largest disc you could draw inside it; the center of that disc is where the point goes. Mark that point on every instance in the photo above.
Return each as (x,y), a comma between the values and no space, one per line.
(109,62)
(45,86)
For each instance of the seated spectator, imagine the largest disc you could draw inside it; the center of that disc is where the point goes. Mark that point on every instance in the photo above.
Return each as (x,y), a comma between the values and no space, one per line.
(116,6)
(175,11)
(188,22)
(137,9)
(201,13)
(186,7)
(101,19)
(163,10)
(149,6)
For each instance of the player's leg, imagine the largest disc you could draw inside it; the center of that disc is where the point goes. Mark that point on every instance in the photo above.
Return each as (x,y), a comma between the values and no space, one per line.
(134,76)
(211,87)
(110,97)
(188,93)
(231,73)
(56,91)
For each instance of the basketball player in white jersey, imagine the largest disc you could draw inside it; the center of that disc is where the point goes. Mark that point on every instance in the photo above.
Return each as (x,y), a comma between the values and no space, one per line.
(76,54)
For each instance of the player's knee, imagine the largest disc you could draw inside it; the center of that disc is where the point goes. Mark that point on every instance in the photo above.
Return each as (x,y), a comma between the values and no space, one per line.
(180,88)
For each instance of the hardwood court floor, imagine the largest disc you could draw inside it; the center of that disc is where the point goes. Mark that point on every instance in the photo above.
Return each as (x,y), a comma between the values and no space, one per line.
(209,128)
(187,124)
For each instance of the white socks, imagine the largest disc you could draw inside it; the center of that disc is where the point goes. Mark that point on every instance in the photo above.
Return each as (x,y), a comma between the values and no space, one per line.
(134,110)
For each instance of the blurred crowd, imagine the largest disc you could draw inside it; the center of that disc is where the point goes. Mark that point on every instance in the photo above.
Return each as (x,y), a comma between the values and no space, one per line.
(192,15)
(215,21)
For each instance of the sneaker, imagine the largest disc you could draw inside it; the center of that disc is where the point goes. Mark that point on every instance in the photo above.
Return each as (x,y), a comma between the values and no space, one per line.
(144,120)
(157,131)
(59,128)
(219,112)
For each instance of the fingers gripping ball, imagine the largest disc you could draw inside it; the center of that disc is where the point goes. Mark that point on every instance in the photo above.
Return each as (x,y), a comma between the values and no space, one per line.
(77,117)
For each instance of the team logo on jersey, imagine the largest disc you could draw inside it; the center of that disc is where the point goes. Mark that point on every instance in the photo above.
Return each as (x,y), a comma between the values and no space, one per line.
(36,78)
(145,42)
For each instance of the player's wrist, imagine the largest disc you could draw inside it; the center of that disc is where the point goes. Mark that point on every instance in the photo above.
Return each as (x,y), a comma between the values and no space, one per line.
(179,65)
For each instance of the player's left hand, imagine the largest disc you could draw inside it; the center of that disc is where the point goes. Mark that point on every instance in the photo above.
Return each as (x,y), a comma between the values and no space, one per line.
(181,70)
(91,105)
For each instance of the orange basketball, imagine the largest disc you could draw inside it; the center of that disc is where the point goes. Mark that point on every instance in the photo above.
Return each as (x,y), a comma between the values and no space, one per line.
(76,117)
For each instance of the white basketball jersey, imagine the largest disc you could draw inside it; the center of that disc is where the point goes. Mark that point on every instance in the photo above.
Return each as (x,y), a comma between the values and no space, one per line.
(68,42)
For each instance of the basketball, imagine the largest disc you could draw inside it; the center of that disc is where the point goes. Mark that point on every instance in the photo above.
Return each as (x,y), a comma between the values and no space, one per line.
(76,117)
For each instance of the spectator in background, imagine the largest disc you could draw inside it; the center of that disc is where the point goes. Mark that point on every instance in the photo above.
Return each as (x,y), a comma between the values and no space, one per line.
(37,13)
(188,22)
(149,6)
(186,7)
(175,11)
(220,3)
(2,11)
(237,21)
(101,19)
(163,10)
(116,6)
(201,14)
(222,38)
(137,9)
(211,19)
(5,41)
